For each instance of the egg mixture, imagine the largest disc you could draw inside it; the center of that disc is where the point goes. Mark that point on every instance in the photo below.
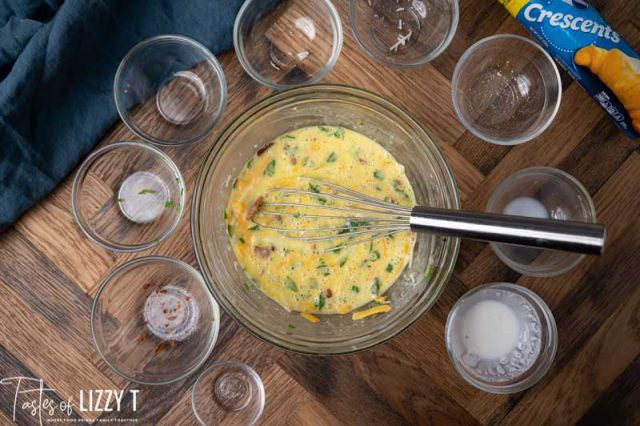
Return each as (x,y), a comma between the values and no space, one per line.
(318,277)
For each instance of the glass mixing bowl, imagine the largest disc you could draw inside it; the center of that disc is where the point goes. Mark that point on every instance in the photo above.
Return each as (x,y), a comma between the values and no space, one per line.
(434,256)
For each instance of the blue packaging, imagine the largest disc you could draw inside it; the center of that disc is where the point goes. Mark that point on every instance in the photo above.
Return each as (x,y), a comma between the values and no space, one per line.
(590,50)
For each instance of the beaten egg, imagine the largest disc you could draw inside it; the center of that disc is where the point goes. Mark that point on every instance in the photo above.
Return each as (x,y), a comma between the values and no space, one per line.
(334,276)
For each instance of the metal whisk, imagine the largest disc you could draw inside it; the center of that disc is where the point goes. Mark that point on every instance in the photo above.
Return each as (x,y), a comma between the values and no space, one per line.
(362,218)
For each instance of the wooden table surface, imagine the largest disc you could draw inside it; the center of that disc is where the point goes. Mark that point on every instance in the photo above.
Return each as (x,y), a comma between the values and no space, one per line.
(49,273)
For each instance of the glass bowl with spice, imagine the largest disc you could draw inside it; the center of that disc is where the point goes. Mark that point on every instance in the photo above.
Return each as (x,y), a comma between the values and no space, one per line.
(128,196)
(154,321)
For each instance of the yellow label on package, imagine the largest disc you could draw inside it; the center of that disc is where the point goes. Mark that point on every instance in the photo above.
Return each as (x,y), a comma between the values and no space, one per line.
(590,50)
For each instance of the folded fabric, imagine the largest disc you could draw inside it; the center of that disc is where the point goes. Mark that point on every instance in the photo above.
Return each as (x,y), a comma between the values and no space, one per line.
(57,63)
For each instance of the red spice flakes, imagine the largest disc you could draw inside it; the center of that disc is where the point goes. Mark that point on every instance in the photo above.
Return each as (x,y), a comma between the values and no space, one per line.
(160,347)
(328,293)
(172,318)
(142,337)
(146,286)
(162,290)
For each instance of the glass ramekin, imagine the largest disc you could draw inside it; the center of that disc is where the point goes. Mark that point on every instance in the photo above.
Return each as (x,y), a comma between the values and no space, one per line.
(433,258)
(506,89)
(154,321)
(143,218)
(406,33)
(170,90)
(542,326)
(287,44)
(559,196)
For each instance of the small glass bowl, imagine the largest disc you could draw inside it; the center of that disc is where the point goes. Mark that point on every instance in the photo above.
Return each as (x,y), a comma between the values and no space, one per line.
(545,193)
(128,196)
(506,89)
(489,363)
(228,392)
(170,90)
(286,44)
(403,33)
(154,321)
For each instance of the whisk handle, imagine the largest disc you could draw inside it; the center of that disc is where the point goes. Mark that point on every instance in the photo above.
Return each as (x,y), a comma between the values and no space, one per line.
(586,238)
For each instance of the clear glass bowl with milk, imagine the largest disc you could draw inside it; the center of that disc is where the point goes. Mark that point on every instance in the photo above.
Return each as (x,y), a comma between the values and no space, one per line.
(544,193)
(501,337)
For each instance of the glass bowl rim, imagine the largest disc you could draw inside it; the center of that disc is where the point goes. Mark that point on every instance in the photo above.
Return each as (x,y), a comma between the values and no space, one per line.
(453,28)
(209,57)
(111,275)
(456,104)
(540,370)
(322,73)
(540,171)
(248,369)
(215,150)
(84,167)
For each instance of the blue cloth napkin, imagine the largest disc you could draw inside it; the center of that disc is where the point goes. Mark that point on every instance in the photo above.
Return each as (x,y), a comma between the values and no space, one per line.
(57,63)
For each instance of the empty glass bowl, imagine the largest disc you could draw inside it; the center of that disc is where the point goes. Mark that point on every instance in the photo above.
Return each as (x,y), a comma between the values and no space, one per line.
(154,321)
(545,193)
(128,196)
(289,43)
(506,89)
(170,90)
(228,393)
(405,32)
(501,337)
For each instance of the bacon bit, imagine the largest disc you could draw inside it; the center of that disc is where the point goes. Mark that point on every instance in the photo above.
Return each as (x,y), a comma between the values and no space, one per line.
(164,311)
(171,318)
(310,317)
(371,311)
(255,207)
(328,293)
(362,161)
(146,286)
(161,346)
(263,252)
(162,290)
(264,149)
(294,161)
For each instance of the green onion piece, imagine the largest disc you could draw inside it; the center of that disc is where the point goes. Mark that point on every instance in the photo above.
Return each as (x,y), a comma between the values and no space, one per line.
(378,174)
(321,301)
(270,170)
(339,133)
(332,157)
(254,227)
(355,289)
(168,204)
(144,191)
(291,285)
(343,261)
(389,267)
(375,287)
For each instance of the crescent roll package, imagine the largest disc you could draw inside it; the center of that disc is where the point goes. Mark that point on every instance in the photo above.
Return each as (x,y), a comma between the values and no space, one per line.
(590,50)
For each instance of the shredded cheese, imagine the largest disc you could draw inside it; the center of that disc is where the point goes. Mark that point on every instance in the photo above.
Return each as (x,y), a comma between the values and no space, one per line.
(402,40)
(381,299)
(371,311)
(310,317)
